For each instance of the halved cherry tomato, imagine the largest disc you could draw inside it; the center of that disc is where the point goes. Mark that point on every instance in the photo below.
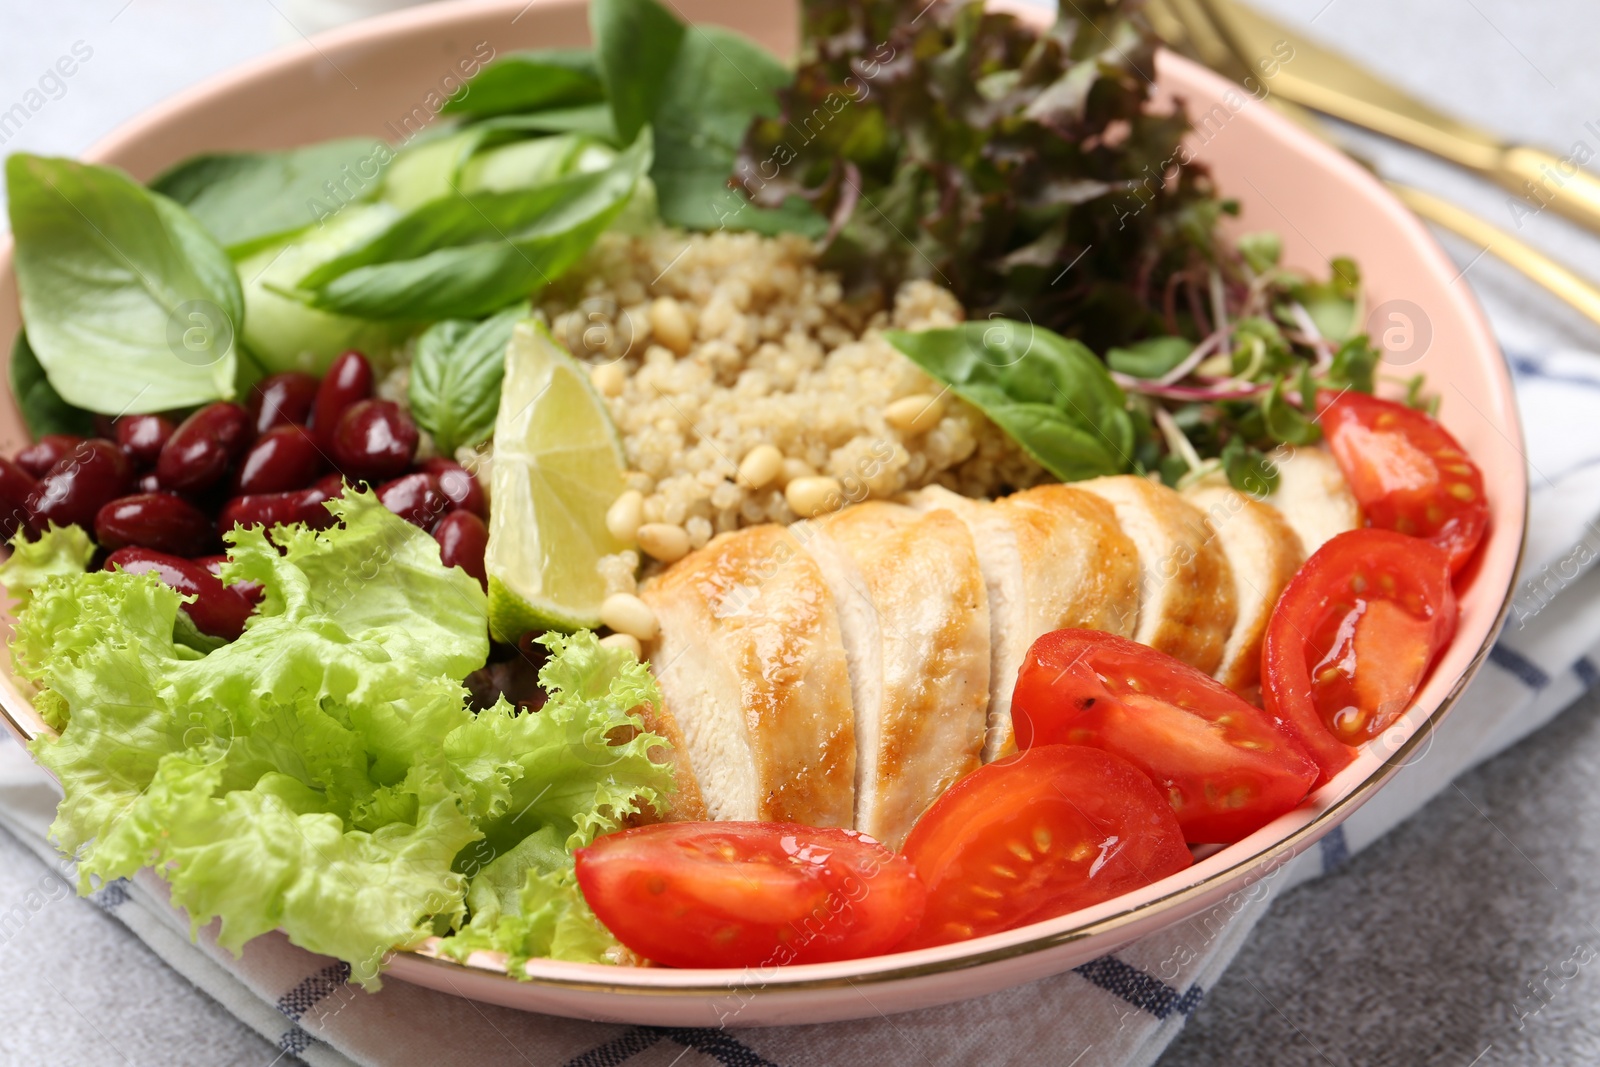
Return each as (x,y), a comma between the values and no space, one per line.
(1226,768)
(748,894)
(1352,637)
(1407,473)
(1036,835)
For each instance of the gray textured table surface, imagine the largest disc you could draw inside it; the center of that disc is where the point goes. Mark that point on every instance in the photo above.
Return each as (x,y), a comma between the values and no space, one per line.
(1462,939)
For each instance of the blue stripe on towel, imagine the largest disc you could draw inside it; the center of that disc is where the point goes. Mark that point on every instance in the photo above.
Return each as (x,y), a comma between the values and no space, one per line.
(112,895)
(1335,849)
(720,1046)
(1524,367)
(717,1044)
(313,990)
(619,1049)
(294,1041)
(1138,988)
(1190,1001)
(1514,662)
(1587,672)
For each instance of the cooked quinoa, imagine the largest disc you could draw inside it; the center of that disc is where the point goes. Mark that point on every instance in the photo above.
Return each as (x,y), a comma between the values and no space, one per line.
(707,346)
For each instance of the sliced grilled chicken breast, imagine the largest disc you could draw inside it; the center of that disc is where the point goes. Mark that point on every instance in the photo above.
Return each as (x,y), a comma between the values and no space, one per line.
(1051,557)
(915,620)
(1186,597)
(1264,552)
(686,804)
(752,671)
(1312,495)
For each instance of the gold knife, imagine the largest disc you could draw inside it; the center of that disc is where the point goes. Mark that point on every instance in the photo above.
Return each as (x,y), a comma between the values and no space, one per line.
(1325,81)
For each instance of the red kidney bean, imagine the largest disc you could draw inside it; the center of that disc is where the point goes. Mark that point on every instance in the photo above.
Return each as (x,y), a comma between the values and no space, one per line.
(375,440)
(199,452)
(39,457)
(217,609)
(105,426)
(275,509)
(331,486)
(415,497)
(347,382)
(16,487)
(458,484)
(281,400)
(142,437)
(283,458)
(80,484)
(251,591)
(162,521)
(463,539)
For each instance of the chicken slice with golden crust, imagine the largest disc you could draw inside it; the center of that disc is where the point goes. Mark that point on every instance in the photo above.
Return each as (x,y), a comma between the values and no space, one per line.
(915,619)
(752,671)
(1186,597)
(1264,552)
(1051,557)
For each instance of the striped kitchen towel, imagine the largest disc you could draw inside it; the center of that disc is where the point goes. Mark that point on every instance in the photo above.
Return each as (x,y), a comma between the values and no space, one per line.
(1121,1009)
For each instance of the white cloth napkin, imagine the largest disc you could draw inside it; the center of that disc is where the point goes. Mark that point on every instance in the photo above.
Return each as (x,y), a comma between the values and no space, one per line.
(1121,1009)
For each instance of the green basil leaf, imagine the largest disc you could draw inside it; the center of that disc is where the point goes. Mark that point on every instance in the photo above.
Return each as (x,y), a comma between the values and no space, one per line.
(636,43)
(250,199)
(1286,422)
(531,81)
(719,83)
(42,407)
(1249,470)
(1051,395)
(464,256)
(130,305)
(455,378)
(1151,358)
(699,88)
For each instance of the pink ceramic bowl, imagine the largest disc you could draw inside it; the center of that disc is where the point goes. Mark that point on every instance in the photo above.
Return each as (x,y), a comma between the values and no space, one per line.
(377,78)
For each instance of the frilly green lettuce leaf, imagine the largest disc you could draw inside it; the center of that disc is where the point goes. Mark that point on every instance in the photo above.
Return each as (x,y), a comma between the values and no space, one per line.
(61,552)
(542,915)
(323,774)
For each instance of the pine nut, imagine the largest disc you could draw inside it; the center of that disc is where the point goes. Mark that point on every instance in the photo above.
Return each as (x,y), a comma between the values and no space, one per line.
(624,516)
(624,641)
(669,324)
(809,497)
(608,378)
(627,614)
(760,466)
(664,541)
(796,468)
(915,414)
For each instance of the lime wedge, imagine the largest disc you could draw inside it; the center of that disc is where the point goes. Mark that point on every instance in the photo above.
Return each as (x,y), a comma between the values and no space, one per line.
(557,467)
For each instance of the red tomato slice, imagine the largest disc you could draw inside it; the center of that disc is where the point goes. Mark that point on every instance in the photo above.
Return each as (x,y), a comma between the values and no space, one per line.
(747,894)
(1036,835)
(1407,472)
(1352,637)
(1225,767)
